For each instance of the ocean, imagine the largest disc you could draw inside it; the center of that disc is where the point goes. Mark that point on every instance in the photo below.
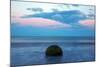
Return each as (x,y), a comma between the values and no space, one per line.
(31,50)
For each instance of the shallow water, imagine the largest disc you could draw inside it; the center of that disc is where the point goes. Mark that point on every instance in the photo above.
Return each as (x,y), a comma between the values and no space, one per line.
(34,53)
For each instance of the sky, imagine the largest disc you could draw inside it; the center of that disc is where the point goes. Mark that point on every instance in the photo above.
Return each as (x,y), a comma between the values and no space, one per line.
(48,19)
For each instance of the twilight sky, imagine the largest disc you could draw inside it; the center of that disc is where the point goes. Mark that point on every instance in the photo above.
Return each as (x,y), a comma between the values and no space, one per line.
(47,19)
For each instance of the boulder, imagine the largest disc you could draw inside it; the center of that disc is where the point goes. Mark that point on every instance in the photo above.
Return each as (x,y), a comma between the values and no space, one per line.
(54,50)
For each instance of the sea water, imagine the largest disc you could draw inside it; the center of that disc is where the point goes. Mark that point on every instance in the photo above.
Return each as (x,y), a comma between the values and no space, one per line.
(31,50)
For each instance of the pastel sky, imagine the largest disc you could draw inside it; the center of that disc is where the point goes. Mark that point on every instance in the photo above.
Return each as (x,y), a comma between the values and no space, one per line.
(48,19)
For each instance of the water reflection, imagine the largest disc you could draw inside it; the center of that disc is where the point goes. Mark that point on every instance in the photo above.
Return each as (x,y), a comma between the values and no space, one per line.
(53,59)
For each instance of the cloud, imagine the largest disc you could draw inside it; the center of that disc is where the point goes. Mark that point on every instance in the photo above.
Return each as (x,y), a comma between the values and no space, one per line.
(42,22)
(87,23)
(35,9)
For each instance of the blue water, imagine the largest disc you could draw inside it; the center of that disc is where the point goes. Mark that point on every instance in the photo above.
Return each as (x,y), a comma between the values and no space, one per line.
(33,53)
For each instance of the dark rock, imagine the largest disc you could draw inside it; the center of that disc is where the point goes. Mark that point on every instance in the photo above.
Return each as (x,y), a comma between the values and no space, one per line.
(54,50)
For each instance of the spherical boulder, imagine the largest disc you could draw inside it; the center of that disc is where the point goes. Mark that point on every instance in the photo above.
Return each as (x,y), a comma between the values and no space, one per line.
(54,50)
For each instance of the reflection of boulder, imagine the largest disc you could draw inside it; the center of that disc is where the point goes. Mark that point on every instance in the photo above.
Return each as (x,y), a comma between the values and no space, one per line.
(54,50)
(53,59)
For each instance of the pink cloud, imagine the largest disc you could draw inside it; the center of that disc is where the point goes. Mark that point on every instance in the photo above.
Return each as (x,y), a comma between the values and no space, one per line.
(87,23)
(42,22)
(14,19)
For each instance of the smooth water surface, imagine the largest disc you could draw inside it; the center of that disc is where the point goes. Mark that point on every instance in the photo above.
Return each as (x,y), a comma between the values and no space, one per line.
(33,53)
